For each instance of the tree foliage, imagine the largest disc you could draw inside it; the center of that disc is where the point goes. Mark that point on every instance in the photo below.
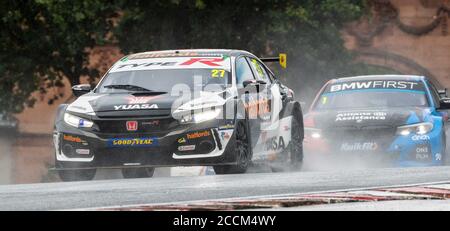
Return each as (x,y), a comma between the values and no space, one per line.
(42,41)
(307,30)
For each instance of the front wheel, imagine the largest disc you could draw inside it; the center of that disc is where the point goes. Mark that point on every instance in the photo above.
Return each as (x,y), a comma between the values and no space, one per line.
(137,172)
(243,152)
(77,175)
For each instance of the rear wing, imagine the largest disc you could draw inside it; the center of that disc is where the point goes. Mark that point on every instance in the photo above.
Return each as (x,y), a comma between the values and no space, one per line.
(282,59)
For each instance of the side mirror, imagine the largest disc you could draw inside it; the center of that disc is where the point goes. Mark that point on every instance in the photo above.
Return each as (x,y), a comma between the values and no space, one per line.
(253,83)
(79,90)
(442,93)
(444,103)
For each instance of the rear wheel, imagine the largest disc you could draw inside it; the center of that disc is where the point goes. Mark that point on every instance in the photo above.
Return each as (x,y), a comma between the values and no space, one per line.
(138,172)
(77,175)
(296,147)
(242,150)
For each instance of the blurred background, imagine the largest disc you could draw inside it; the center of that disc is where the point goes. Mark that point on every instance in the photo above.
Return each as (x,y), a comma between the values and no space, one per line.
(46,46)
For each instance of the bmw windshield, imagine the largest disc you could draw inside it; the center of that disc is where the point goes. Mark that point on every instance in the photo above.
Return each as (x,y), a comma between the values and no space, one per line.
(373,94)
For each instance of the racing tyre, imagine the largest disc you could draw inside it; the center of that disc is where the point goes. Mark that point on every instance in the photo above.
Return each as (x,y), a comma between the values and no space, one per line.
(77,175)
(137,172)
(296,147)
(242,149)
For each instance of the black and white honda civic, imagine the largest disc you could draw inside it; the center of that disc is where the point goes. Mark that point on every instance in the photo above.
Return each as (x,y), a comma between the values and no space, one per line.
(220,108)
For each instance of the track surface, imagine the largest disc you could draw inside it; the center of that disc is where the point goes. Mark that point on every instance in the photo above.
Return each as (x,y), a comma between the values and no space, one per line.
(76,195)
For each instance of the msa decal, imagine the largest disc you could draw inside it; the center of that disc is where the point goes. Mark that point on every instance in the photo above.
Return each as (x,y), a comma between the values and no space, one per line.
(360,116)
(132,142)
(404,85)
(135,107)
(275,144)
(197,135)
(367,146)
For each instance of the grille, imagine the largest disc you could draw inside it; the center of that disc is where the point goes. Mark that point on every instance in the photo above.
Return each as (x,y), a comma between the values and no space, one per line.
(144,125)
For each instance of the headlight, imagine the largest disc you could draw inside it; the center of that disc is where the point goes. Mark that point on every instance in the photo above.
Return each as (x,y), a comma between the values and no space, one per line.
(419,129)
(313,133)
(76,121)
(200,116)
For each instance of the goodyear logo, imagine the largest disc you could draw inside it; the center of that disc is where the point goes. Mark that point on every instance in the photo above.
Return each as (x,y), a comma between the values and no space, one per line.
(133,142)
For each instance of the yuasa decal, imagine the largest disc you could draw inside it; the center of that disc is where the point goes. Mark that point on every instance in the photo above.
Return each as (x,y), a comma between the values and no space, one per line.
(360,116)
(135,107)
(367,146)
(379,84)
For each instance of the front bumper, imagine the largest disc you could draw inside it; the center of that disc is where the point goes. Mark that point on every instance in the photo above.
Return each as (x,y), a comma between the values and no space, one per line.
(378,149)
(182,145)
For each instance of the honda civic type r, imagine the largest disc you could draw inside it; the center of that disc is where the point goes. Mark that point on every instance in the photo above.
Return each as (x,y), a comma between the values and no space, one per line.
(220,108)
(389,120)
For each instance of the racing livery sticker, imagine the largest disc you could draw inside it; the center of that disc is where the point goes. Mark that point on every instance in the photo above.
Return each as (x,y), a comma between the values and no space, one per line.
(133,142)
(376,84)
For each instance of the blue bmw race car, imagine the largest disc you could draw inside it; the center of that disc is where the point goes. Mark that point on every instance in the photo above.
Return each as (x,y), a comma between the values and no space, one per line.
(388,120)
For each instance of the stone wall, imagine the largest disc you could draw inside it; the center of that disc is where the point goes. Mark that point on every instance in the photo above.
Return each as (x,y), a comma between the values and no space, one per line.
(410,36)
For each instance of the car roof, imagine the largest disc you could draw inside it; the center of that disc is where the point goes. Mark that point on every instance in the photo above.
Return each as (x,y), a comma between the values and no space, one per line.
(188,53)
(380,77)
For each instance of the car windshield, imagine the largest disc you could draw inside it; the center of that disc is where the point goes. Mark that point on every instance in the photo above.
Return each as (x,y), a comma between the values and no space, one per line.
(164,80)
(367,99)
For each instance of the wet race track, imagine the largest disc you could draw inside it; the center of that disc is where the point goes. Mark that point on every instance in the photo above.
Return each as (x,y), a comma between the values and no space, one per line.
(121,192)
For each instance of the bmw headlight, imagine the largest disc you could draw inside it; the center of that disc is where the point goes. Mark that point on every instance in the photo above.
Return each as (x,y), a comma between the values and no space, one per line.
(200,116)
(313,133)
(76,121)
(419,129)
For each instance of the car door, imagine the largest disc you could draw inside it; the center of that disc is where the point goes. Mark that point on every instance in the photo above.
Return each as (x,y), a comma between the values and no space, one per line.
(248,96)
(270,104)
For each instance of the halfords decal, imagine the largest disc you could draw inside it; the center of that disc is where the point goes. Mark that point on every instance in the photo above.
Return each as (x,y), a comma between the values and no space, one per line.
(367,146)
(133,142)
(197,135)
(360,116)
(404,85)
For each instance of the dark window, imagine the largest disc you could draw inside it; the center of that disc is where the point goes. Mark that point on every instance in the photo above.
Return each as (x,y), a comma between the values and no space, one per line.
(243,72)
